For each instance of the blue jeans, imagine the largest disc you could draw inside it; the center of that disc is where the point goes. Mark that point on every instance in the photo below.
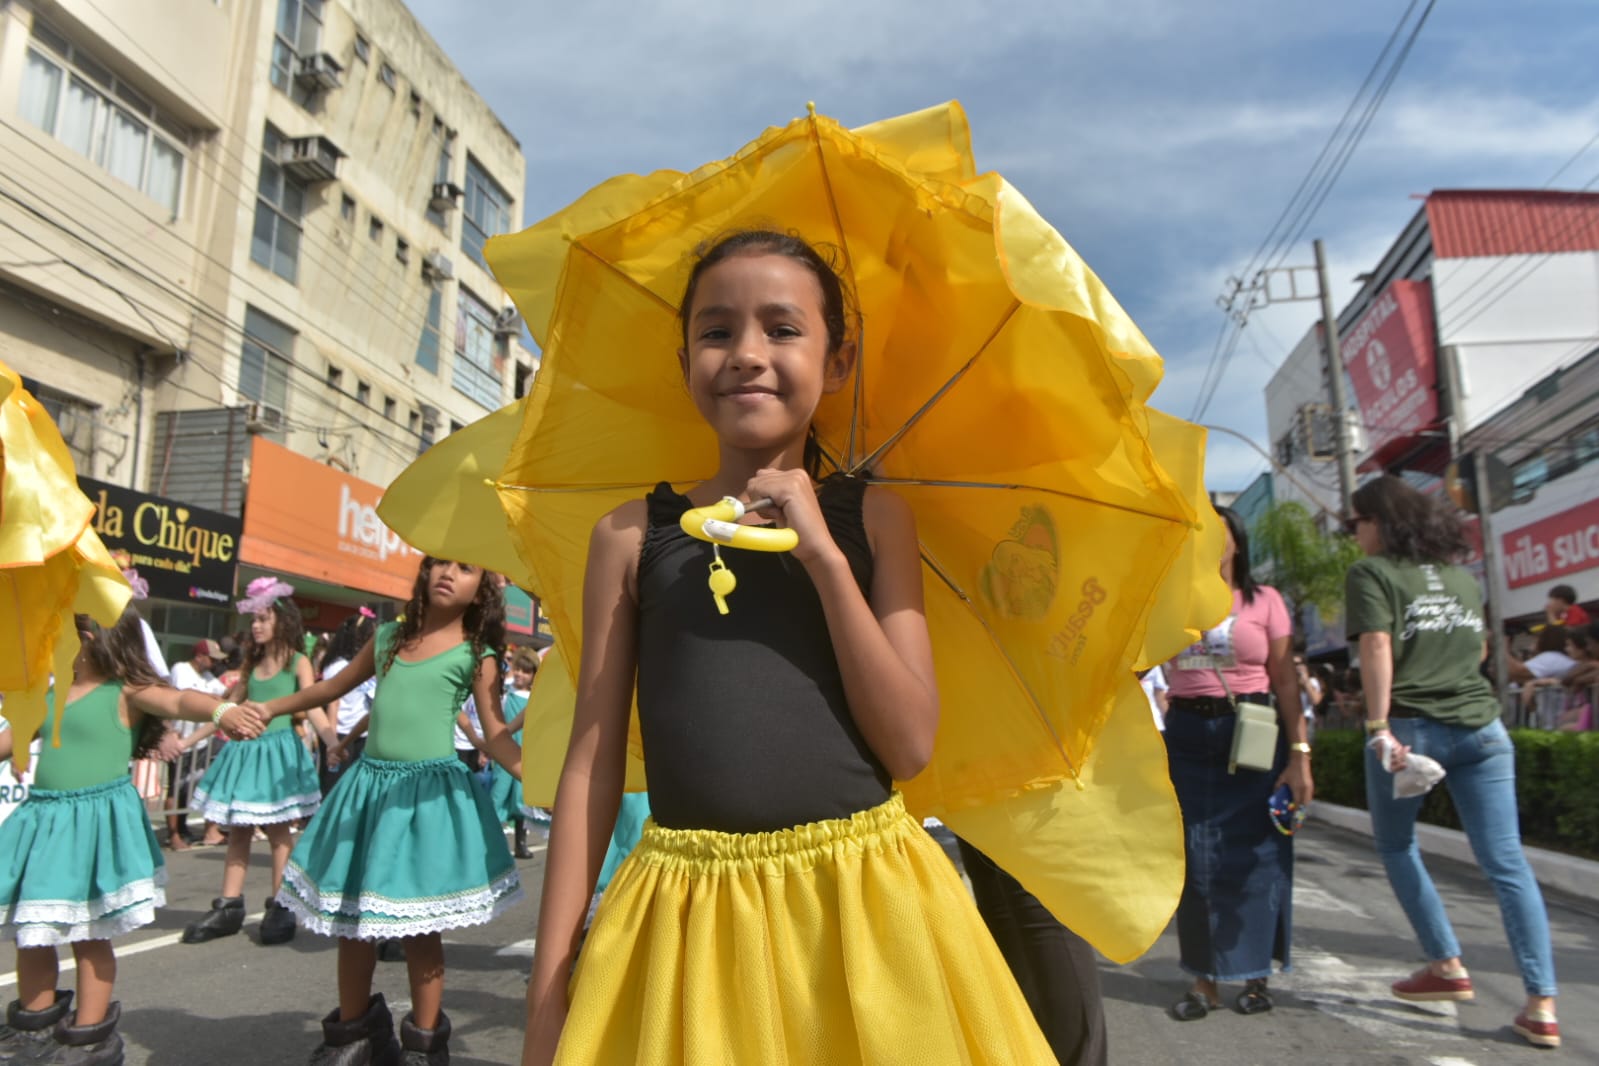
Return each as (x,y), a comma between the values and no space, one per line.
(1481,768)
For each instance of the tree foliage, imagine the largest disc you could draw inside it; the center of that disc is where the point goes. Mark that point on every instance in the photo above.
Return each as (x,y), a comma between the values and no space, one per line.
(1307,565)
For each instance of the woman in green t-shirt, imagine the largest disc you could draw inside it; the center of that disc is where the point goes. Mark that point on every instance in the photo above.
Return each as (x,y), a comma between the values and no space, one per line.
(1418,619)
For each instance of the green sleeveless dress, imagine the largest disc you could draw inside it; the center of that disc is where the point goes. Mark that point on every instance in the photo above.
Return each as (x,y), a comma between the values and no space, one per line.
(406,843)
(78,860)
(265,781)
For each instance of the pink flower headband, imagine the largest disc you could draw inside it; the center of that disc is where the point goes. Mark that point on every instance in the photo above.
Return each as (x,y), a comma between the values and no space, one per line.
(140,587)
(264,592)
(366,612)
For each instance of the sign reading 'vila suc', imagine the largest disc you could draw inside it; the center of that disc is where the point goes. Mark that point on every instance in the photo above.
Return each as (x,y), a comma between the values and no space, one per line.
(184,553)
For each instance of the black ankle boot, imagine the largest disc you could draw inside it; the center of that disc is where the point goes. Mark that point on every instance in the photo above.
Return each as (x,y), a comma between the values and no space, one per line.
(25,1032)
(86,1045)
(521,840)
(366,1041)
(425,1047)
(277,924)
(225,918)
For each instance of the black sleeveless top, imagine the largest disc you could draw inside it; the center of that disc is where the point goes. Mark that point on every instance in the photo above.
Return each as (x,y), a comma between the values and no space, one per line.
(744,720)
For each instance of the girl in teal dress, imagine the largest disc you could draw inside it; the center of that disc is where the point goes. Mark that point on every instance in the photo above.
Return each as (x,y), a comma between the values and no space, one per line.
(505,791)
(269,783)
(406,845)
(78,862)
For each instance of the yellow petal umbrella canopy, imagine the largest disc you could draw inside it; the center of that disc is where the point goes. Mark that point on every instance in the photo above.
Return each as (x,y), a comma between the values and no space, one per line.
(52,564)
(1001,391)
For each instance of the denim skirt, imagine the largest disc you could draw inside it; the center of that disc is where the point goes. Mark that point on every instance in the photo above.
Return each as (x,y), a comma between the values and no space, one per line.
(1236,911)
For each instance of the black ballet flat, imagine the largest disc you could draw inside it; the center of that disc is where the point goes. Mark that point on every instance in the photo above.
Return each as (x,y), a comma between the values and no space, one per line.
(1192,1007)
(1255,998)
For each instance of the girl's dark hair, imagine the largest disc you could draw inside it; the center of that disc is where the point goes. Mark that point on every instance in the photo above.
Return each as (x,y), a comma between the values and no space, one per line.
(288,637)
(1552,638)
(1243,580)
(483,623)
(836,303)
(350,638)
(118,653)
(1414,528)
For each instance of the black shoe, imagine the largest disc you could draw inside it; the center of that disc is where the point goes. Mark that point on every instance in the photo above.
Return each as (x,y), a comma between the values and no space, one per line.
(391,951)
(1192,1007)
(425,1047)
(522,851)
(26,1032)
(367,1041)
(225,918)
(1255,998)
(86,1045)
(277,924)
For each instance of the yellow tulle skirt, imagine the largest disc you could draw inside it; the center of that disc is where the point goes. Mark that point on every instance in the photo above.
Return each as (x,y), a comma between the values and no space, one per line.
(843,941)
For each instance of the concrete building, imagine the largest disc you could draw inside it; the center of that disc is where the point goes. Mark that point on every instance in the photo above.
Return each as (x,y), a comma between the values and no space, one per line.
(1473,346)
(235,226)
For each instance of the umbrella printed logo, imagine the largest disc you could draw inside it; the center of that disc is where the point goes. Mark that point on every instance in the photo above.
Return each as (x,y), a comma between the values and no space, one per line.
(1023,572)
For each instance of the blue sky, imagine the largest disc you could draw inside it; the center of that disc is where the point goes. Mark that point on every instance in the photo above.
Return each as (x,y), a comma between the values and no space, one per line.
(1161,137)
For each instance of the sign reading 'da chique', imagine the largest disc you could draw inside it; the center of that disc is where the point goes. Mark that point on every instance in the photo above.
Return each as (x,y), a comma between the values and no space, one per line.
(183,552)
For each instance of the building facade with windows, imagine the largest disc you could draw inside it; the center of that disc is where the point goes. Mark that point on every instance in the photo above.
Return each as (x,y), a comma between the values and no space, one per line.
(251,221)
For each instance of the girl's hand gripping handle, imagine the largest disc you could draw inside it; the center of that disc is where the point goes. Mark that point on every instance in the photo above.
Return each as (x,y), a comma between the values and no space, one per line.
(719,524)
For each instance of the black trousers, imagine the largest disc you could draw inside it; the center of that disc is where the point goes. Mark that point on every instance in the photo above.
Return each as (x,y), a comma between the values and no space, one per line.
(1055,967)
(352,751)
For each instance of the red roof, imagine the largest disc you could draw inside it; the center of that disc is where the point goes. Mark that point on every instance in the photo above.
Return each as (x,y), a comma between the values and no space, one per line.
(1488,222)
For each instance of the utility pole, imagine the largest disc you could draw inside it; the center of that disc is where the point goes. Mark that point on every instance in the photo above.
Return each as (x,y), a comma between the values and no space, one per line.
(1335,384)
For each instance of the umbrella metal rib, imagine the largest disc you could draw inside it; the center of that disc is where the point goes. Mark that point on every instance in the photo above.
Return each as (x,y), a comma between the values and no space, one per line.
(625,276)
(849,272)
(916,415)
(999,647)
(935,483)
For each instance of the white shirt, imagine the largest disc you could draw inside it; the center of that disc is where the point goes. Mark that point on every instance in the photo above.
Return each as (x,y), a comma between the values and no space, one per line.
(470,709)
(1153,682)
(186,677)
(152,650)
(353,705)
(1555,664)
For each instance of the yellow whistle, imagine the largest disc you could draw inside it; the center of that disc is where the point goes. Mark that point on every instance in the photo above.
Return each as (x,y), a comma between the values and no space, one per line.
(722,583)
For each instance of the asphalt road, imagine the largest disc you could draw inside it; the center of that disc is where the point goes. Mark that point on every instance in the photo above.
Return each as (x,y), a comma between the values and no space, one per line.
(235,1002)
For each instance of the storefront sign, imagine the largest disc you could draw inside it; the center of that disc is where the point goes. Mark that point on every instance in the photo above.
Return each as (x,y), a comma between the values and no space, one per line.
(307,519)
(183,552)
(520,614)
(1390,355)
(1561,544)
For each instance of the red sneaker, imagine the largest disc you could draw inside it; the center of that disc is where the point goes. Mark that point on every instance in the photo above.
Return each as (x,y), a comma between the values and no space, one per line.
(1424,986)
(1542,1031)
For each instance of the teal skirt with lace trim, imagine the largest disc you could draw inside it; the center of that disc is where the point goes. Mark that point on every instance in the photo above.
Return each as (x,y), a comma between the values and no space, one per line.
(401,849)
(79,864)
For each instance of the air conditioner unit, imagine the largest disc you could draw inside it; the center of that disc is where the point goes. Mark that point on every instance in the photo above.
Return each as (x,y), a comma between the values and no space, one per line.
(318,73)
(446,196)
(311,159)
(262,418)
(430,414)
(436,266)
(507,323)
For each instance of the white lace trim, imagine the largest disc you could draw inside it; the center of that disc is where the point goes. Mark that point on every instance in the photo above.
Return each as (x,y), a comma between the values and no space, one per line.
(239,812)
(330,914)
(79,912)
(368,929)
(45,932)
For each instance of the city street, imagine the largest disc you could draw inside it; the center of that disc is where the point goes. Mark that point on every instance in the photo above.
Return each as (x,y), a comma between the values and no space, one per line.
(234,1002)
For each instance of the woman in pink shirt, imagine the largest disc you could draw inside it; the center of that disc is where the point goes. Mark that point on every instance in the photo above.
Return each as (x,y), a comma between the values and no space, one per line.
(1234,917)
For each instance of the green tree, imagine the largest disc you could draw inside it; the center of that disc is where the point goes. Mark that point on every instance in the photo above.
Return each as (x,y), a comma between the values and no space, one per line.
(1307,565)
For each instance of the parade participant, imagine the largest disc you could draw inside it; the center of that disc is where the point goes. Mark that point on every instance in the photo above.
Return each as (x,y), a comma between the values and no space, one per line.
(192,673)
(269,783)
(406,846)
(1234,916)
(781,905)
(1417,617)
(505,791)
(78,862)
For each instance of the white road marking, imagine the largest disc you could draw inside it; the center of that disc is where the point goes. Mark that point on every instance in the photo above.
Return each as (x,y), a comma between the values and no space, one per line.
(1450,1060)
(1363,999)
(521,949)
(1312,898)
(139,947)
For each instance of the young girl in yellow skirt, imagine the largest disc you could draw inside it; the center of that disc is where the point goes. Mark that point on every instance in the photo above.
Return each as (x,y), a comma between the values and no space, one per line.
(782,906)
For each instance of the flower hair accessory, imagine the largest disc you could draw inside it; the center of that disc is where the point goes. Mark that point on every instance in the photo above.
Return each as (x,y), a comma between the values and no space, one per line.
(140,587)
(366,612)
(264,592)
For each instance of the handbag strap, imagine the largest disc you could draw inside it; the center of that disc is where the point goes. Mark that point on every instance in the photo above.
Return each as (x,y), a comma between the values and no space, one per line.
(1224,686)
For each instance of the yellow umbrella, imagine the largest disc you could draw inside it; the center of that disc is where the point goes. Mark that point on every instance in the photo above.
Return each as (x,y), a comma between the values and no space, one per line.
(1001,391)
(52,564)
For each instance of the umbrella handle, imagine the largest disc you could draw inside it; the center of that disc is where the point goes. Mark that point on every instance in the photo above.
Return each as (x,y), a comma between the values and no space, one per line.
(719,524)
